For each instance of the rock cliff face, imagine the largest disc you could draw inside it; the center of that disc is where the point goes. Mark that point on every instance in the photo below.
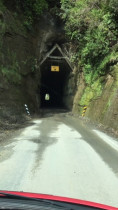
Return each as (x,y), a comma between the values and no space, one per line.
(101,99)
(17,52)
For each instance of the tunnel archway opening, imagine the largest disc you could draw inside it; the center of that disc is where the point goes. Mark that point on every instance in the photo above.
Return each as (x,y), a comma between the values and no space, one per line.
(55,71)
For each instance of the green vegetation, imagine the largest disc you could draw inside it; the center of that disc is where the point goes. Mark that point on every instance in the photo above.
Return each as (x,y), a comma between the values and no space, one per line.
(32,10)
(2,7)
(92,26)
(2,24)
(11,71)
(2,30)
(11,74)
(91,92)
(23,16)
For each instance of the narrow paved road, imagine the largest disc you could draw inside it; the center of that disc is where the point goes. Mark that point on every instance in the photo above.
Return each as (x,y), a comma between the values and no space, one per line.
(60,155)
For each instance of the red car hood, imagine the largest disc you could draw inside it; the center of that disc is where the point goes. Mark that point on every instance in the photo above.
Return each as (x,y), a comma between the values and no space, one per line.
(58,198)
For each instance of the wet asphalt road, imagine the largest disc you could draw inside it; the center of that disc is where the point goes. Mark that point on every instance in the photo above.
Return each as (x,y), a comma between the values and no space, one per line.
(59,155)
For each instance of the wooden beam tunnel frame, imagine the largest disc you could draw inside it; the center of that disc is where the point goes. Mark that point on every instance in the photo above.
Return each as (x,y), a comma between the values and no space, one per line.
(56,58)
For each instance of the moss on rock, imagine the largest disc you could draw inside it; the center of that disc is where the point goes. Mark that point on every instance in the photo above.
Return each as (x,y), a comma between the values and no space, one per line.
(91,92)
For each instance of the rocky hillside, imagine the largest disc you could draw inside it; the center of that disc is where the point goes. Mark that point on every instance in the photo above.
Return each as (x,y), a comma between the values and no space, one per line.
(92,27)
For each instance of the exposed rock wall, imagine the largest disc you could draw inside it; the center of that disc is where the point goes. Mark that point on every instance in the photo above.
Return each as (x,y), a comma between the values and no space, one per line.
(101,99)
(17,54)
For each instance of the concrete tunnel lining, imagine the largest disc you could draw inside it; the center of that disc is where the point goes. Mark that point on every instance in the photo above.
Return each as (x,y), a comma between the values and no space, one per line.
(52,82)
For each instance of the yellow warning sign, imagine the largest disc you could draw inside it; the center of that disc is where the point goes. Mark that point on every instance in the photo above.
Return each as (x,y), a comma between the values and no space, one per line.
(54,68)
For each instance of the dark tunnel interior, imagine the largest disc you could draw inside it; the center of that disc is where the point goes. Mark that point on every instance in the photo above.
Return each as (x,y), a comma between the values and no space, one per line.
(53,83)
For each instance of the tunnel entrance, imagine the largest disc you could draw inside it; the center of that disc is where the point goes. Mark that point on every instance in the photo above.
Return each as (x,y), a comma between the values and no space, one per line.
(55,70)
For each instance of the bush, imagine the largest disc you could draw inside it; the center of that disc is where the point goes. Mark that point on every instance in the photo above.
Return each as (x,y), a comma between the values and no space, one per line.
(92,26)
(32,10)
